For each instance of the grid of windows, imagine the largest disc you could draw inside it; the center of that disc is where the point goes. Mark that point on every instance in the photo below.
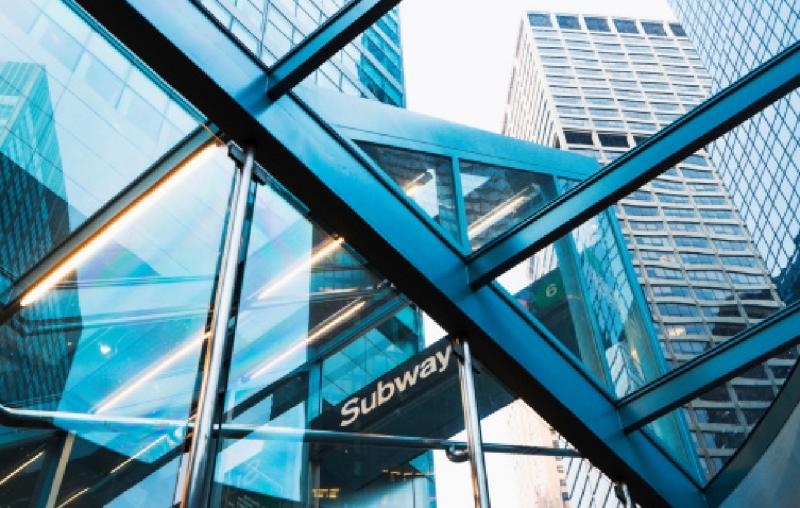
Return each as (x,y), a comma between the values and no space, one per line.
(759,161)
(600,91)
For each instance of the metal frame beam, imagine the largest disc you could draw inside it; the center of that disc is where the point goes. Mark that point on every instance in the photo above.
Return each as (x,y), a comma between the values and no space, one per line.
(340,187)
(321,44)
(754,345)
(693,131)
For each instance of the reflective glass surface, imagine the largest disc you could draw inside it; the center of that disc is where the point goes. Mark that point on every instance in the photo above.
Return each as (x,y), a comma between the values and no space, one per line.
(721,419)
(79,120)
(581,289)
(426,179)
(520,479)
(326,350)
(370,66)
(121,335)
(496,198)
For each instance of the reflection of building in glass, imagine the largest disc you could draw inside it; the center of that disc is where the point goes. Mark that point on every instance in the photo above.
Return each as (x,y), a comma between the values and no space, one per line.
(33,220)
(759,161)
(599,86)
(371,66)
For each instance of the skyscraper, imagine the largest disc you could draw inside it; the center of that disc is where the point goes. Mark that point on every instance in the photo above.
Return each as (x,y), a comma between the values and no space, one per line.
(759,161)
(33,220)
(599,86)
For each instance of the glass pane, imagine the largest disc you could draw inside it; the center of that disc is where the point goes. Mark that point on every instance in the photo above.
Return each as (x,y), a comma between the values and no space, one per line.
(370,66)
(759,161)
(426,179)
(496,198)
(79,120)
(121,334)
(325,347)
(722,418)
(137,468)
(338,475)
(582,290)
(148,277)
(23,453)
(697,260)
(518,479)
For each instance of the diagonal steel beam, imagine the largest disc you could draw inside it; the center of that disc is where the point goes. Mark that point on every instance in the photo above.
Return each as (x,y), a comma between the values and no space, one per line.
(751,347)
(693,131)
(321,44)
(341,188)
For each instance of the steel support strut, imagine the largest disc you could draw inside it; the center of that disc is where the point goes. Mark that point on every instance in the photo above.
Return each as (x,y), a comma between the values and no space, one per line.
(199,462)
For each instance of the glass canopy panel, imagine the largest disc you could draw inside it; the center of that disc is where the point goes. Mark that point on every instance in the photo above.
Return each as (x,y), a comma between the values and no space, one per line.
(270,28)
(146,279)
(582,290)
(369,66)
(426,179)
(722,418)
(121,336)
(325,350)
(348,475)
(23,454)
(519,478)
(496,198)
(709,267)
(79,120)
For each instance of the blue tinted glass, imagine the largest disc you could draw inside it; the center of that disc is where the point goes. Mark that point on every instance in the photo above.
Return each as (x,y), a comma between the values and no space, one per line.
(597,24)
(323,344)
(626,26)
(568,22)
(80,120)
(541,20)
(121,335)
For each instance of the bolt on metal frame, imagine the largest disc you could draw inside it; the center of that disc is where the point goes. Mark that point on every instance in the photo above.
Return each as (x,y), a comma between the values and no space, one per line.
(322,168)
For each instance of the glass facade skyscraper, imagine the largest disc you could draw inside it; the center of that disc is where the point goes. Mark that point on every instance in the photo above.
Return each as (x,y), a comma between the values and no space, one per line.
(599,86)
(759,161)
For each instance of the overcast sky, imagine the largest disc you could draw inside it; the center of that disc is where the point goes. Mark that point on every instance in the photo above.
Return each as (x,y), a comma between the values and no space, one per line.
(458,54)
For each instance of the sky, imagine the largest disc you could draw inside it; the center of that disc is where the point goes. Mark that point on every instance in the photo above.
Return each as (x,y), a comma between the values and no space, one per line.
(458,54)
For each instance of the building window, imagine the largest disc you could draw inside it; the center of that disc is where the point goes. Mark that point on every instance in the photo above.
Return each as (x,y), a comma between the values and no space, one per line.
(640,211)
(578,137)
(698,259)
(613,140)
(681,291)
(597,24)
(539,19)
(568,22)
(663,273)
(677,30)
(677,310)
(692,241)
(626,26)
(713,294)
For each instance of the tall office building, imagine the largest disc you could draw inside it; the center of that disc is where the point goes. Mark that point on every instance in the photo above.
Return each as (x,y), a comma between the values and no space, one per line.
(370,66)
(33,220)
(759,161)
(599,86)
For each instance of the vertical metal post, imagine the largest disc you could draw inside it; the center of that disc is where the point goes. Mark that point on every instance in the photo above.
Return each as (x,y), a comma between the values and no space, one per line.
(472,425)
(60,469)
(195,486)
